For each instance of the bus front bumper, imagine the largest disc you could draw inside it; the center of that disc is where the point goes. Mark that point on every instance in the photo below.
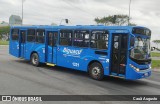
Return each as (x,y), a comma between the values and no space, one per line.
(138,74)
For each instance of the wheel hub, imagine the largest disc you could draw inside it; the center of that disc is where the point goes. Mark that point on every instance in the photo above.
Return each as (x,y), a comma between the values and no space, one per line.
(34,60)
(96,71)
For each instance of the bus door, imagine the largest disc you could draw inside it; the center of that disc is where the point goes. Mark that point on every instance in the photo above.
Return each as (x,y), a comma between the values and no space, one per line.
(22,41)
(119,54)
(51,48)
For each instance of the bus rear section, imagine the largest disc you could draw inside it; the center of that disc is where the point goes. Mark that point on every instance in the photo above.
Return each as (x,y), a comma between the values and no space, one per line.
(17,42)
(26,41)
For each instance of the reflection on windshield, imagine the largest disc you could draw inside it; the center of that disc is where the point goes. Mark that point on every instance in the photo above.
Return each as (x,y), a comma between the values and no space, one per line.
(141,50)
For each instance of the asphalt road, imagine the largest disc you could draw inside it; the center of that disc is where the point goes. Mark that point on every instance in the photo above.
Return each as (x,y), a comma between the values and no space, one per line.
(19,77)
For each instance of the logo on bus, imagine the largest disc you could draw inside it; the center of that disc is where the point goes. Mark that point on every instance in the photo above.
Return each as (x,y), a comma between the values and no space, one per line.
(72,51)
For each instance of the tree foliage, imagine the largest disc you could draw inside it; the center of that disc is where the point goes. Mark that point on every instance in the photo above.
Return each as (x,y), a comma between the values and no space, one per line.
(156,42)
(114,20)
(4,30)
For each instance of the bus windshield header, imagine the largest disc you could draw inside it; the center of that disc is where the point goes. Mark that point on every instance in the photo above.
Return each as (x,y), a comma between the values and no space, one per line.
(142,31)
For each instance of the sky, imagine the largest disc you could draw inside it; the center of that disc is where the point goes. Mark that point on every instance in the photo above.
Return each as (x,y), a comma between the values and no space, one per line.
(83,12)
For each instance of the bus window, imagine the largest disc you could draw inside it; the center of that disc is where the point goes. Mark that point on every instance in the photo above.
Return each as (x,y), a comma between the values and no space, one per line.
(23,37)
(40,36)
(52,38)
(31,35)
(15,34)
(66,37)
(124,42)
(99,39)
(81,38)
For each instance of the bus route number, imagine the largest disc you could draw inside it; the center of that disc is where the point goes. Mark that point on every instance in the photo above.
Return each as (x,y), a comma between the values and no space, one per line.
(75,64)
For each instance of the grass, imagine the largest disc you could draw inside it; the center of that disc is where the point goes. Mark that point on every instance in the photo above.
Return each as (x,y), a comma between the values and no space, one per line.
(156,64)
(4,42)
(155,54)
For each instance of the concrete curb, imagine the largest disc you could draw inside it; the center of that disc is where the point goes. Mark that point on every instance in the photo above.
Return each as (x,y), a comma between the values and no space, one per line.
(156,70)
(155,58)
(3,45)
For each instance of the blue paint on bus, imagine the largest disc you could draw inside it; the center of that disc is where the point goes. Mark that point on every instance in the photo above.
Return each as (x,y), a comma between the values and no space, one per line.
(108,45)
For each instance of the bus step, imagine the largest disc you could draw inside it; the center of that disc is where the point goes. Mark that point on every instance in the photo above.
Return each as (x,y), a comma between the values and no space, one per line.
(50,64)
(117,76)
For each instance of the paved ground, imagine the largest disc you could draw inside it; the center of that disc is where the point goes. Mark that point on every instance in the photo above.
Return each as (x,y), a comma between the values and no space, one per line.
(155,58)
(19,77)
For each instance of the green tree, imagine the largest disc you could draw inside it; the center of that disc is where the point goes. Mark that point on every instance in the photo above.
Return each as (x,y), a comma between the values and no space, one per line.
(156,42)
(114,20)
(4,30)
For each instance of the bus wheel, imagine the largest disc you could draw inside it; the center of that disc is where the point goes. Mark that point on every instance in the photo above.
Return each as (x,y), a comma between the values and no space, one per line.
(35,59)
(96,71)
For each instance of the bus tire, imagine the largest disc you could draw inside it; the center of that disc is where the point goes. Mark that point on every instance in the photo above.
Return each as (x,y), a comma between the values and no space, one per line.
(96,71)
(35,59)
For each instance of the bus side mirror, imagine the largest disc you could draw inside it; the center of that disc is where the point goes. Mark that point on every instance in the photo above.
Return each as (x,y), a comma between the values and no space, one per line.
(132,42)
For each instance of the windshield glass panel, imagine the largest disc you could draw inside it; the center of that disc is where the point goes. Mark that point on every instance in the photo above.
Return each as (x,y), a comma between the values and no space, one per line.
(142,31)
(141,50)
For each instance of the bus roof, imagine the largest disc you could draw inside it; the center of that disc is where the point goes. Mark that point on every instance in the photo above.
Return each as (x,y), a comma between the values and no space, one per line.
(78,27)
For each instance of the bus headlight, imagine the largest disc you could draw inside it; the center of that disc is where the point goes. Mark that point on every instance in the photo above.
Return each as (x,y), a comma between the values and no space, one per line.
(135,68)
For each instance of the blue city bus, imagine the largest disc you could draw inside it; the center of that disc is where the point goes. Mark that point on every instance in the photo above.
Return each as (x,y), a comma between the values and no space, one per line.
(118,51)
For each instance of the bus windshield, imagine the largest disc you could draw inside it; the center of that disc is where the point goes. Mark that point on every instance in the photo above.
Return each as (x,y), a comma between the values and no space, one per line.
(141,50)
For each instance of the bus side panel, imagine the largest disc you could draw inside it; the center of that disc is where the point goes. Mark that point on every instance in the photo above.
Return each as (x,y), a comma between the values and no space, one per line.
(38,48)
(102,59)
(71,57)
(29,50)
(79,58)
(14,48)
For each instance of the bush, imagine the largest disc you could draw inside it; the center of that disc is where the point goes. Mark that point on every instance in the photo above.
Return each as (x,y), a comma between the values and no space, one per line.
(4,31)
